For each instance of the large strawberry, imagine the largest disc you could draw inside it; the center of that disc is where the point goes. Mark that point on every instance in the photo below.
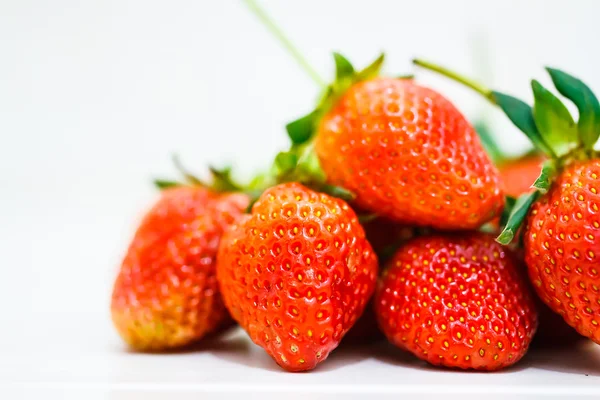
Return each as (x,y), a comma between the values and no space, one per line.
(166,293)
(457,301)
(404,151)
(562,236)
(296,274)
(409,154)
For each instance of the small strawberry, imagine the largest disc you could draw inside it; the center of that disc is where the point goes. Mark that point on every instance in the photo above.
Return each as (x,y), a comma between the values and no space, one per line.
(562,232)
(166,293)
(457,301)
(296,274)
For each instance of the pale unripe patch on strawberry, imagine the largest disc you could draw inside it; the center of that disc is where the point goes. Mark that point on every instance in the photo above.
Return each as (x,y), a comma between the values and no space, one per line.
(166,295)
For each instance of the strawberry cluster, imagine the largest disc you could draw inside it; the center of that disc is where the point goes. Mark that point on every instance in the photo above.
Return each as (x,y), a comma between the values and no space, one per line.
(380,218)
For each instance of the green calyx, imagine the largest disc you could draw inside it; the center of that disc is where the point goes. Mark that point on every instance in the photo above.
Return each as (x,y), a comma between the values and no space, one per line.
(303,129)
(299,163)
(548,124)
(221,180)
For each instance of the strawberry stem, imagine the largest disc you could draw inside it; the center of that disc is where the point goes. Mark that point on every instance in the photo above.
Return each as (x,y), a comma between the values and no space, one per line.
(287,44)
(484,91)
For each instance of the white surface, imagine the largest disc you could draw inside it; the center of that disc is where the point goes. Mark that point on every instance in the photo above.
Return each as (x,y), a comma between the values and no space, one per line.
(96,95)
(100,367)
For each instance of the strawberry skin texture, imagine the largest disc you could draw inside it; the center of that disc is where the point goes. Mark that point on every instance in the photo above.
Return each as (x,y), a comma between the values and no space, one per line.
(166,293)
(562,247)
(296,274)
(457,301)
(517,176)
(410,155)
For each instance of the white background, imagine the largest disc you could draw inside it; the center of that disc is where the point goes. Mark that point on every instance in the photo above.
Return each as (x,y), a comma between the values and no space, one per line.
(95,96)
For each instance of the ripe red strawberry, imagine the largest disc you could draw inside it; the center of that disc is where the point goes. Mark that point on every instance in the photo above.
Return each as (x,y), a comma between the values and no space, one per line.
(562,247)
(408,154)
(166,294)
(457,301)
(562,235)
(296,274)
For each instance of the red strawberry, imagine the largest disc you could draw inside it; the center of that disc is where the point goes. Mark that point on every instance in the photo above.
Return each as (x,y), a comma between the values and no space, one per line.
(408,154)
(562,235)
(166,293)
(562,247)
(457,301)
(296,274)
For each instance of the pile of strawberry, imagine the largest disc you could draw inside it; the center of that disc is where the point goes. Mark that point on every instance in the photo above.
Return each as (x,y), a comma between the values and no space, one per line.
(376,218)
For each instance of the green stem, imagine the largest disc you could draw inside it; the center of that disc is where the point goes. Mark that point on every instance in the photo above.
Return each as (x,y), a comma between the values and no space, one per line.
(287,44)
(479,88)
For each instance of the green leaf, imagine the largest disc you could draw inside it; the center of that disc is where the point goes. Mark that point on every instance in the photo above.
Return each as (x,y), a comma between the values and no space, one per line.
(286,161)
(163,184)
(372,70)
(406,76)
(521,114)
(517,216)
(338,191)
(309,167)
(189,177)
(343,67)
(553,120)
(509,204)
(585,100)
(543,182)
(302,129)
(222,180)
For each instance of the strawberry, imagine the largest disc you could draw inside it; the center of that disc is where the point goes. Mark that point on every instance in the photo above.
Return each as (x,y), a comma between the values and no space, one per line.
(408,154)
(166,293)
(296,273)
(562,230)
(562,243)
(404,151)
(457,301)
